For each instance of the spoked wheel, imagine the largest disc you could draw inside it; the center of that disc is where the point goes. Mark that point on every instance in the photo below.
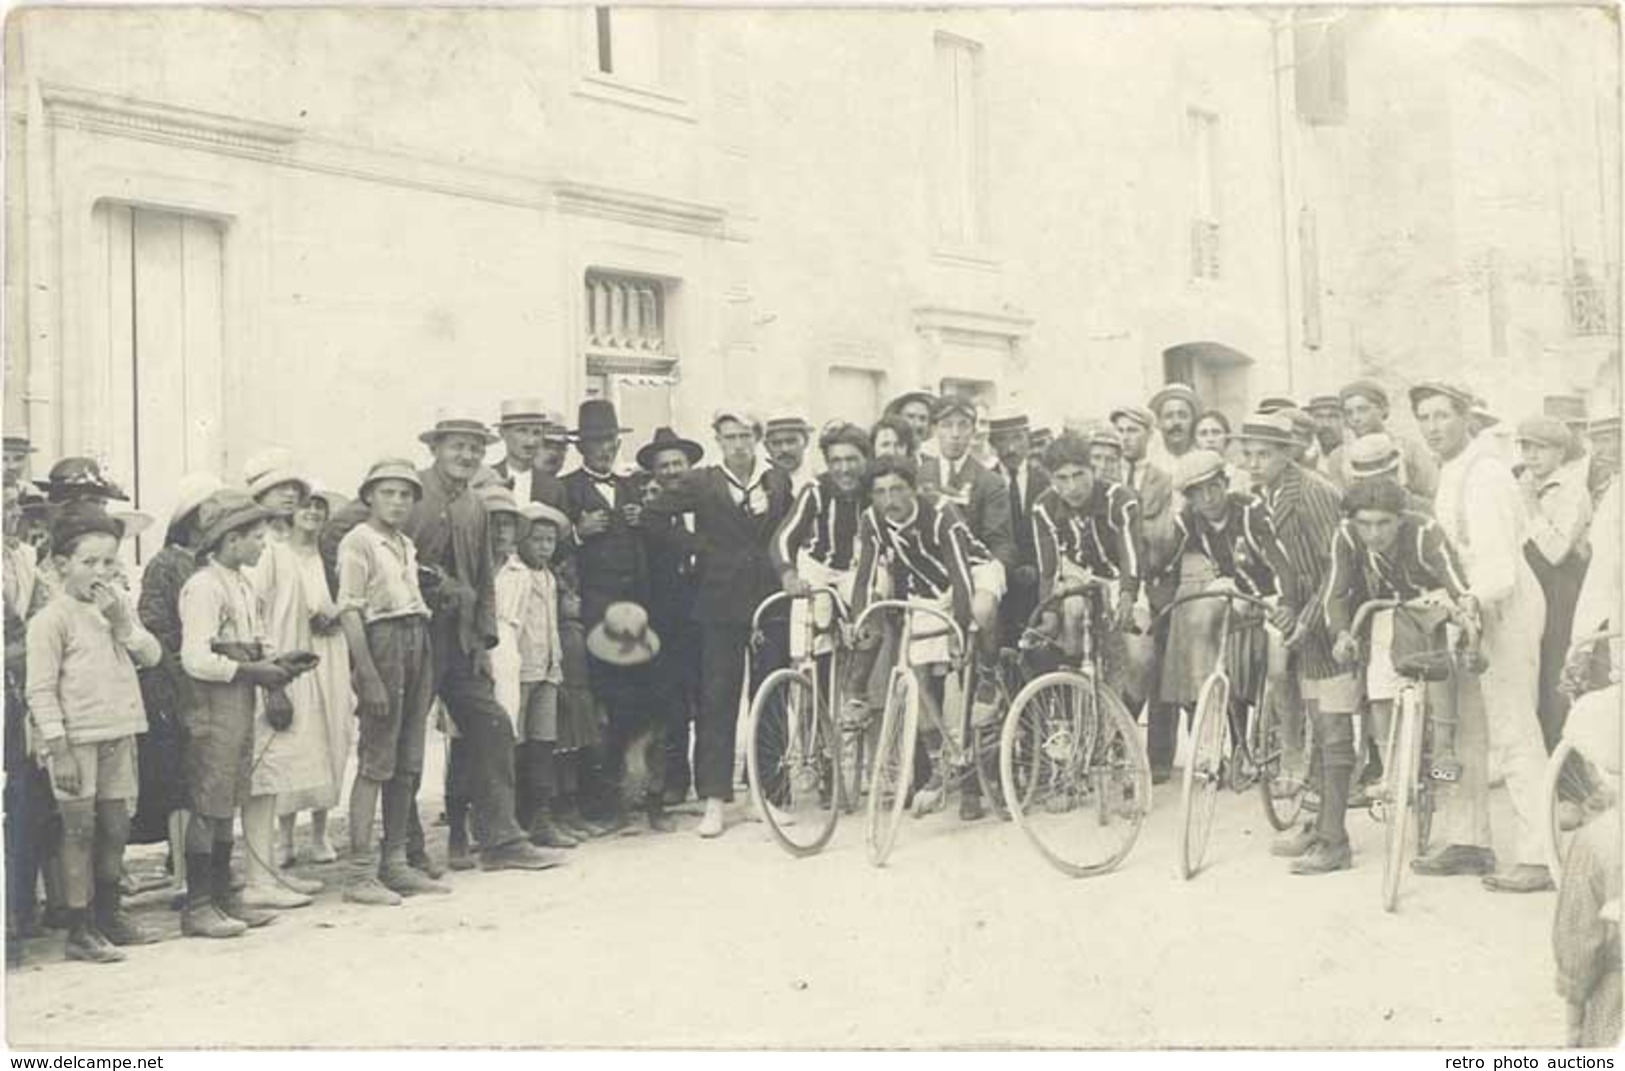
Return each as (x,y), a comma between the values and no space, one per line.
(1203,774)
(792,753)
(893,770)
(1073,773)
(1571,780)
(1403,769)
(1281,790)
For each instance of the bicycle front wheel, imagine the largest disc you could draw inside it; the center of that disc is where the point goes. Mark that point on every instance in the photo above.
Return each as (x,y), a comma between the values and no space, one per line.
(892,774)
(1073,773)
(1282,789)
(1199,794)
(792,753)
(1404,770)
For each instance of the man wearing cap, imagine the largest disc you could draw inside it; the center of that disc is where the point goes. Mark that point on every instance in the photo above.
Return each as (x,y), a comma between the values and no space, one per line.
(611,567)
(535,440)
(16,454)
(1479,507)
(1106,454)
(737,507)
(786,438)
(1365,412)
(1306,511)
(1378,456)
(1176,407)
(1326,410)
(1025,481)
(982,499)
(673,552)
(919,408)
(1558,502)
(448,526)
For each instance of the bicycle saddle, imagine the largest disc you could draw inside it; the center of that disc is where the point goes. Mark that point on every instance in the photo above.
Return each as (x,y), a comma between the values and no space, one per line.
(1426,666)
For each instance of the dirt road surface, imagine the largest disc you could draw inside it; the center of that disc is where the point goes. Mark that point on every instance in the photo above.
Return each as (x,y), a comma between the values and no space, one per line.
(966,939)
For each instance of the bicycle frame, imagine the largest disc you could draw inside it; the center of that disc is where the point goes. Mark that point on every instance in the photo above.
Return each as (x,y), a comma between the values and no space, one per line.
(960,663)
(807,664)
(1220,674)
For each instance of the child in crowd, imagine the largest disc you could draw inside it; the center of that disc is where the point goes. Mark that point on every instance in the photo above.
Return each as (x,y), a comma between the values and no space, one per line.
(386,624)
(1585,933)
(224,651)
(580,724)
(85,701)
(541,670)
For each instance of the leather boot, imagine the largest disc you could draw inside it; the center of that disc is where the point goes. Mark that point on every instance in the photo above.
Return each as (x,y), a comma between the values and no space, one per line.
(545,832)
(114,923)
(202,917)
(226,899)
(398,876)
(84,943)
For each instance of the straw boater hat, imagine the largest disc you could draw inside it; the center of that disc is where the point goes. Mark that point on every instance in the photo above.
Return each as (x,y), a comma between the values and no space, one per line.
(1008,424)
(521,411)
(596,419)
(1371,455)
(786,422)
(1197,467)
(666,439)
(1303,425)
(273,467)
(542,513)
(1181,391)
(1139,414)
(224,512)
(623,637)
(391,468)
(79,477)
(1273,428)
(19,444)
(1325,401)
(448,423)
(1275,403)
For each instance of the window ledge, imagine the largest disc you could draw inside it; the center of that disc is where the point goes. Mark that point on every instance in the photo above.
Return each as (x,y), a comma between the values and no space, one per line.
(613,90)
(958,256)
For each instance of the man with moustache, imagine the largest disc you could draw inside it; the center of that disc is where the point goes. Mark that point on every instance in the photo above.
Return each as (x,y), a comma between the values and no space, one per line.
(536,442)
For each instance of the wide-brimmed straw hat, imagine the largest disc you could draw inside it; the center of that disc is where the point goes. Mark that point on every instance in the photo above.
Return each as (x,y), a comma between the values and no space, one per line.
(623,637)
(191,491)
(391,468)
(273,467)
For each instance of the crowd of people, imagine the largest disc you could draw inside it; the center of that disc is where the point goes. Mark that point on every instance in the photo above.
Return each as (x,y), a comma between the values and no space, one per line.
(583,637)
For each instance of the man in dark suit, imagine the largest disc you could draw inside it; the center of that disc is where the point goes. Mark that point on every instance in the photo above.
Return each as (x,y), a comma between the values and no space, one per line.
(607,511)
(737,507)
(1024,479)
(536,441)
(984,501)
(673,551)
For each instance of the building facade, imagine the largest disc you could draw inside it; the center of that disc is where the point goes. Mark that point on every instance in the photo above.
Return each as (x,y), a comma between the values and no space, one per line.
(236,228)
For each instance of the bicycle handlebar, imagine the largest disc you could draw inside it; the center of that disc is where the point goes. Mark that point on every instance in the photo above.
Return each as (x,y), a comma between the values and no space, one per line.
(1081,587)
(913,608)
(842,610)
(1196,595)
(1373,606)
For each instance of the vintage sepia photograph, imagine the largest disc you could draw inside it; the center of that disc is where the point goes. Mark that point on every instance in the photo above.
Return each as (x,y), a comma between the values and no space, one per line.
(812,528)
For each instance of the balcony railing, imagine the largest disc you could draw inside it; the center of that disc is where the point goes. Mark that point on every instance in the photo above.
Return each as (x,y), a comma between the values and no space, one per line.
(627,314)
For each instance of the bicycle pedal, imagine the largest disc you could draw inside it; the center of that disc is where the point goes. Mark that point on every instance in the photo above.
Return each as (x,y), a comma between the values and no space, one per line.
(1448,772)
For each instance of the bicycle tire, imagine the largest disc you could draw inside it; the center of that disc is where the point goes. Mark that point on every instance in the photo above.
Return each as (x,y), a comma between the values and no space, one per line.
(807,786)
(1281,812)
(892,775)
(1085,771)
(1199,791)
(1404,768)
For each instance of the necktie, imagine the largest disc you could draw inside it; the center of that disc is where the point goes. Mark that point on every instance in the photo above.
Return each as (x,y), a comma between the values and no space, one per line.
(1017,505)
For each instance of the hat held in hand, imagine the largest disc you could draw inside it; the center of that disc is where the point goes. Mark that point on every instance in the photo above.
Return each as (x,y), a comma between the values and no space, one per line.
(623,637)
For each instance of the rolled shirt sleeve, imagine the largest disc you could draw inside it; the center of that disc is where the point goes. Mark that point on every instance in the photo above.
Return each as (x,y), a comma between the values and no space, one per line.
(201,607)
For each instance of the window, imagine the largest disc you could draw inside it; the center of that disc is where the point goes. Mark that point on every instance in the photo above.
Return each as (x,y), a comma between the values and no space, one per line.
(1204,163)
(960,170)
(1218,374)
(1320,67)
(630,351)
(628,43)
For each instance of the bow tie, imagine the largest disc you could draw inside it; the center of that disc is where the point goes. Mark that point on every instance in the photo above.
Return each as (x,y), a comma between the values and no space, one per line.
(606,479)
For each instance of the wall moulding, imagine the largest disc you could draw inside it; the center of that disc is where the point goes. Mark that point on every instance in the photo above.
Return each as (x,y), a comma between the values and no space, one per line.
(147,120)
(639,209)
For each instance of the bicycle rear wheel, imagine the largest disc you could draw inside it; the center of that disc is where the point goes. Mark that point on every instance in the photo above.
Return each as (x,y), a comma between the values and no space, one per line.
(892,775)
(1283,799)
(1203,774)
(792,753)
(1073,773)
(1401,776)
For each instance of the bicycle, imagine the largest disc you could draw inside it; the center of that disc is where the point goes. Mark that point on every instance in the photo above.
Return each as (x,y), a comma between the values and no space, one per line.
(792,746)
(1070,759)
(1410,766)
(1584,765)
(1219,755)
(969,755)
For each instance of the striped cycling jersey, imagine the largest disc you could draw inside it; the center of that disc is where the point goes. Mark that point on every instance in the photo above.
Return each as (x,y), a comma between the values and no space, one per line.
(1421,560)
(928,556)
(1243,547)
(823,525)
(1102,536)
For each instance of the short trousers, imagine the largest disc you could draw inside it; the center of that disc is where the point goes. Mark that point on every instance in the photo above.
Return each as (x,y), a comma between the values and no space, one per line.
(393,744)
(539,711)
(219,755)
(1382,682)
(107,771)
(988,577)
(1336,695)
(818,575)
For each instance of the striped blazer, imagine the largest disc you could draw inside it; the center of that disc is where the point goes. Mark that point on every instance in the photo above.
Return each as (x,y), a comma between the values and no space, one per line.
(1307,509)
